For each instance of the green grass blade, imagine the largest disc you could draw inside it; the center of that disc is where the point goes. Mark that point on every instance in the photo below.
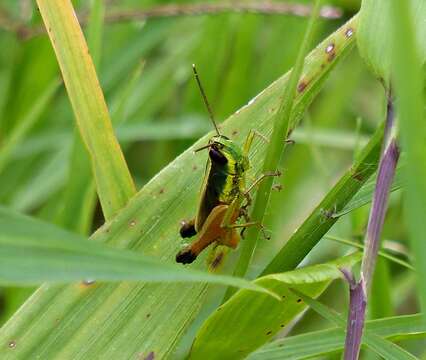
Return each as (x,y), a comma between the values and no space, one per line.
(40,186)
(245,322)
(375,36)
(382,253)
(321,219)
(365,195)
(380,346)
(79,195)
(409,85)
(113,180)
(25,124)
(282,125)
(95,30)
(59,256)
(79,198)
(96,323)
(329,341)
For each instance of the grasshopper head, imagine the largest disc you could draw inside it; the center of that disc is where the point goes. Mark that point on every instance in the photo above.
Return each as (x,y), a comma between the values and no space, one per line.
(225,153)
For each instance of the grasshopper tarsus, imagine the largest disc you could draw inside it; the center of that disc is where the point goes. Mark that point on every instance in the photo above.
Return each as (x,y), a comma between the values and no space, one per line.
(185,256)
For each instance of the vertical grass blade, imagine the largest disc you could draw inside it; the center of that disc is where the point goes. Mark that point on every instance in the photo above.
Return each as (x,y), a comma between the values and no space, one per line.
(79,198)
(275,148)
(113,180)
(409,85)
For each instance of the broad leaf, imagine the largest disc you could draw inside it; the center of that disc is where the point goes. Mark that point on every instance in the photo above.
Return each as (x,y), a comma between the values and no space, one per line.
(246,322)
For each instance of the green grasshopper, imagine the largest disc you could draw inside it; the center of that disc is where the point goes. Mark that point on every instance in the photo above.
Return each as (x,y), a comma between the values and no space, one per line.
(224,197)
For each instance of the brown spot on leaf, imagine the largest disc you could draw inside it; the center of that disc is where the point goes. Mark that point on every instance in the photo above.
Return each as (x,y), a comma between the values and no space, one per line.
(132,223)
(349,32)
(12,344)
(234,132)
(150,356)
(148,315)
(358,176)
(194,167)
(302,85)
(269,332)
(299,300)
(217,260)
(161,191)
(330,50)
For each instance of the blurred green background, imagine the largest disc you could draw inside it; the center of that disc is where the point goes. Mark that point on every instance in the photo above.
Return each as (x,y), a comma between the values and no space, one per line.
(157,113)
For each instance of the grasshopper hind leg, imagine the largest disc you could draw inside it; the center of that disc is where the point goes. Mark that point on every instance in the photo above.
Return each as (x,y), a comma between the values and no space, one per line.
(185,256)
(187,229)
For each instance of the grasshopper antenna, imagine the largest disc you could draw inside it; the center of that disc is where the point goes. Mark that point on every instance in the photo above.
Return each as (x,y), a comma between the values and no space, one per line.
(206,102)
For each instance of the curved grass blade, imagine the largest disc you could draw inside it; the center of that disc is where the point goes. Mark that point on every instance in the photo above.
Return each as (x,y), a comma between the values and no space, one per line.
(251,320)
(382,253)
(365,195)
(96,323)
(380,346)
(329,341)
(59,256)
(113,180)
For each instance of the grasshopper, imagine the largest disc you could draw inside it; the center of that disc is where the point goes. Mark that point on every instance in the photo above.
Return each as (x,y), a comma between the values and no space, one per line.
(224,198)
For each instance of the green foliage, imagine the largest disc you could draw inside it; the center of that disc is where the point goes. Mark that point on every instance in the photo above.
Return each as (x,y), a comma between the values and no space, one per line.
(114,183)
(409,84)
(253,320)
(157,118)
(331,340)
(58,256)
(376,46)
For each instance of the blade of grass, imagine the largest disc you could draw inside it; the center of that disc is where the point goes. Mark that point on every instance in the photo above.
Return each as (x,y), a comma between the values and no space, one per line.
(374,342)
(365,195)
(409,84)
(61,256)
(40,186)
(79,198)
(321,219)
(26,124)
(113,180)
(382,253)
(275,149)
(329,341)
(95,30)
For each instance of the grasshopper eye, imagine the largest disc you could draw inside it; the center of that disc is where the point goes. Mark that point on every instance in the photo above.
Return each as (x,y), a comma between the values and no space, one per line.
(217,157)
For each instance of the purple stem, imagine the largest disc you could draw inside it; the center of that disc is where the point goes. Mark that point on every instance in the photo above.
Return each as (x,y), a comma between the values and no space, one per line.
(359,291)
(355,325)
